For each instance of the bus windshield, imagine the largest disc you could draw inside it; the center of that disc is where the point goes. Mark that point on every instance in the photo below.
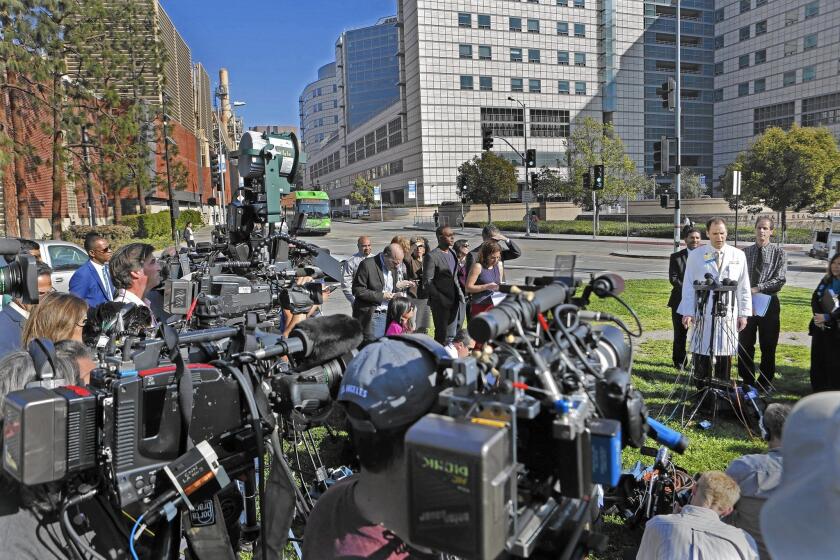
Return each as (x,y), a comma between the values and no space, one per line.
(314,209)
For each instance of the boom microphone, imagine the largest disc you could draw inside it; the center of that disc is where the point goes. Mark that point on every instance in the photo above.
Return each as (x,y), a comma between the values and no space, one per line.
(326,338)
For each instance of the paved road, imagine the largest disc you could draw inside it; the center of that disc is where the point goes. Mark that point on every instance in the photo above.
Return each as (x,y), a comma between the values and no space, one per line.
(538,254)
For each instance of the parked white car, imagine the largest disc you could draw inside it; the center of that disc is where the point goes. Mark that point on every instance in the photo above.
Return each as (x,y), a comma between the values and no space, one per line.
(64,258)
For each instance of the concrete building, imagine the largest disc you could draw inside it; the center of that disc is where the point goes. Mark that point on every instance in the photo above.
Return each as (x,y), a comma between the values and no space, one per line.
(776,63)
(318,109)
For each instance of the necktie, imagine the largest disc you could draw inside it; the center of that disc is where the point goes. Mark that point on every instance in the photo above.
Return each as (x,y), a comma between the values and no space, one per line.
(755,273)
(718,259)
(107,279)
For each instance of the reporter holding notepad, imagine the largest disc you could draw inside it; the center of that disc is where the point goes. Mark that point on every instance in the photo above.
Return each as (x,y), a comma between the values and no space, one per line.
(767,266)
(825,331)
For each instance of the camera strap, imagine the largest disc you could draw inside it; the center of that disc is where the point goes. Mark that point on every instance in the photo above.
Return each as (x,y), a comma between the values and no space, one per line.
(184,380)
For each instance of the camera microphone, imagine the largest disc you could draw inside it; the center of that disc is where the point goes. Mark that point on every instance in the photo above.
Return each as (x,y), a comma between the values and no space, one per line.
(314,341)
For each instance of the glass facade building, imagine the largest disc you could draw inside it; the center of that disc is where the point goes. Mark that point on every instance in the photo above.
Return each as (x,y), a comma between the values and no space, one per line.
(698,57)
(372,70)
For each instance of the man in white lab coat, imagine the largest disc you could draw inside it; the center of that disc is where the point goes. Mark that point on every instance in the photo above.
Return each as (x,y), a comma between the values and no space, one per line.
(721,262)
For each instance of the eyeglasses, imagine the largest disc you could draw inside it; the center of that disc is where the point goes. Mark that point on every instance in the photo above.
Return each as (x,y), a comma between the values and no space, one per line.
(103,250)
(82,323)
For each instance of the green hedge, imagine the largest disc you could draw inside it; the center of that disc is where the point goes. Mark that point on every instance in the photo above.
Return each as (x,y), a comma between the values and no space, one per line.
(117,235)
(157,225)
(637,229)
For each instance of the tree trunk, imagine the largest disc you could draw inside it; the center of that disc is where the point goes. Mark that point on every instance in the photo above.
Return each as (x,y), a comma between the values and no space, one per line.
(18,134)
(489,216)
(58,175)
(784,226)
(117,200)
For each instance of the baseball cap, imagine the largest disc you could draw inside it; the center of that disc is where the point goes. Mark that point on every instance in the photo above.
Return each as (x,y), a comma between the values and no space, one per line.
(801,517)
(393,381)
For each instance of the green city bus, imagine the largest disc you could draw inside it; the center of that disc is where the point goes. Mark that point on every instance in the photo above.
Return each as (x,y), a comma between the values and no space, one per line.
(315,205)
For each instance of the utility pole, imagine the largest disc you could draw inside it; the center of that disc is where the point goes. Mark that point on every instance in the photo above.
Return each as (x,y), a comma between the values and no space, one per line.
(90,204)
(527,195)
(677,126)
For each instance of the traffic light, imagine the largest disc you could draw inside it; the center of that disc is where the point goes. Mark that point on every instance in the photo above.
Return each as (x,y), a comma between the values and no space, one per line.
(661,156)
(668,93)
(587,180)
(535,182)
(598,177)
(663,200)
(211,201)
(530,158)
(486,137)
(215,179)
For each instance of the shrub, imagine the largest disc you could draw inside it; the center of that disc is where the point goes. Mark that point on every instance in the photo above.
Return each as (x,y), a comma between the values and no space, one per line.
(117,235)
(157,225)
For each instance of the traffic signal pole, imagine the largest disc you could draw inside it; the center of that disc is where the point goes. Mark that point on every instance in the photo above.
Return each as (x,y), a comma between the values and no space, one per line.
(677,127)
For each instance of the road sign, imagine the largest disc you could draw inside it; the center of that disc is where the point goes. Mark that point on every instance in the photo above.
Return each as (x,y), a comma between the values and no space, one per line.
(736,183)
(222,163)
(346,202)
(377,193)
(703,181)
(527,195)
(412,190)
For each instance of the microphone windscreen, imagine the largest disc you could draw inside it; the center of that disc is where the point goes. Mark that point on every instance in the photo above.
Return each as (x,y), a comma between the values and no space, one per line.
(326,338)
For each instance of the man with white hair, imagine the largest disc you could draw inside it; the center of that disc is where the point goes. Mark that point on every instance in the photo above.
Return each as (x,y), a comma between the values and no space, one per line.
(376,282)
(697,532)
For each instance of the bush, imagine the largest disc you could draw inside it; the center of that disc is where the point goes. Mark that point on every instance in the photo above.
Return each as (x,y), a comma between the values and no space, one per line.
(157,225)
(117,235)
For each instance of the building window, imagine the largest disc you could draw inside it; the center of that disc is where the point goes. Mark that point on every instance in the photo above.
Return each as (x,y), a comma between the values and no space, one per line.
(781,115)
(483,21)
(534,56)
(789,78)
(812,9)
(504,121)
(744,33)
(515,24)
(563,58)
(719,94)
(533,26)
(549,123)
(516,84)
(464,20)
(760,27)
(760,56)
(743,89)
(464,51)
(580,88)
(718,68)
(580,3)
(485,83)
(580,30)
(759,85)
(563,87)
(466,82)
(562,28)
(791,16)
(719,42)
(746,6)
(719,15)
(791,47)
(485,52)
(580,59)
(743,61)
(821,110)
(809,73)
(760,3)
(810,42)
(534,86)
(515,55)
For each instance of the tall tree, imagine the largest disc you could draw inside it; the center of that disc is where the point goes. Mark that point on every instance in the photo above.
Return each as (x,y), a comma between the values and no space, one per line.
(362,192)
(690,186)
(489,179)
(789,170)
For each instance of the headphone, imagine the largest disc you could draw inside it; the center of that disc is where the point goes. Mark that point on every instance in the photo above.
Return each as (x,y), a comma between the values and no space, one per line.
(42,352)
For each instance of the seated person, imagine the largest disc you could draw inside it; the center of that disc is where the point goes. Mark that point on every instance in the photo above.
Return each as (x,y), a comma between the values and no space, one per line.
(57,317)
(78,354)
(758,475)
(461,345)
(385,390)
(697,531)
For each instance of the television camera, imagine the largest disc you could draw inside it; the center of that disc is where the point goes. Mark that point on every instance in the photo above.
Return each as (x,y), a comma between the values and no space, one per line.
(19,276)
(536,422)
(166,423)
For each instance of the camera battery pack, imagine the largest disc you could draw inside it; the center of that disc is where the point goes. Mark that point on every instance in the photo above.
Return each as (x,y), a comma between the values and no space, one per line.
(460,476)
(606,451)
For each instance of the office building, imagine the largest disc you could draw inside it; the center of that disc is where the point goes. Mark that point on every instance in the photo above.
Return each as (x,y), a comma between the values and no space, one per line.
(776,63)
(318,108)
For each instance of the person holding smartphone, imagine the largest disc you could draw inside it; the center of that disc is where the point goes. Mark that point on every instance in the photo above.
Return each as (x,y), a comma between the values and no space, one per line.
(485,277)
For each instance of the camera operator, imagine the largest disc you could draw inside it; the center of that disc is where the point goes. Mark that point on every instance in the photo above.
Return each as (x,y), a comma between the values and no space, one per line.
(697,531)
(14,315)
(29,515)
(461,345)
(386,389)
(758,475)
(135,271)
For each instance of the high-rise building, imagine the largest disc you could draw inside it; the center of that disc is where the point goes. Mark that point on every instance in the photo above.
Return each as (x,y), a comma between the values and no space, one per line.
(319,110)
(776,63)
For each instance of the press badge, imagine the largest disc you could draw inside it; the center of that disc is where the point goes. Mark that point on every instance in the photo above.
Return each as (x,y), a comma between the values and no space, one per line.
(709,258)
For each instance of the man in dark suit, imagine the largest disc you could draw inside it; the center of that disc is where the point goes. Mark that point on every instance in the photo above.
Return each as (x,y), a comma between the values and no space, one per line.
(92,281)
(376,281)
(676,271)
(15,313)
(444,292)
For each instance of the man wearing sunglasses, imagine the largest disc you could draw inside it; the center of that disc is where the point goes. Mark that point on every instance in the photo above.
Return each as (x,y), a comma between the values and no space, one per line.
(92,281)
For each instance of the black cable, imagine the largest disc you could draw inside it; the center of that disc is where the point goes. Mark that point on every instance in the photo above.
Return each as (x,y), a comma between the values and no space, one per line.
(75,539)
(632,313)
(558,320)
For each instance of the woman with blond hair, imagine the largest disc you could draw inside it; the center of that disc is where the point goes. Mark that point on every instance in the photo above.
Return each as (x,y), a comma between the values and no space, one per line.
(57,317)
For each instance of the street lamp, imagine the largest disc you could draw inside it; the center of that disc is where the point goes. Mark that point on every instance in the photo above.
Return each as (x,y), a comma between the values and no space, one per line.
(527,195)
(235,133)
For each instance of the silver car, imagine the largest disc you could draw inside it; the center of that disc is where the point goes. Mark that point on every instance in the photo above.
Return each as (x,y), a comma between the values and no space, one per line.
(64,258)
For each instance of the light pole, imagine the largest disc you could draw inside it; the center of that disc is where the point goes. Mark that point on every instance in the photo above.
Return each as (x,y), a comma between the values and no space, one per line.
(235,133)
(527,195)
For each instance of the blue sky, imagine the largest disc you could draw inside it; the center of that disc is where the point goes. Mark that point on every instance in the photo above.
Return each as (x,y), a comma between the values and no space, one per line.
(271,49)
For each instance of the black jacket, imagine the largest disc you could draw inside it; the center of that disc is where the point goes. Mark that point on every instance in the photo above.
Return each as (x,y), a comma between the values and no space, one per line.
(676,272)
(11,325)
(441,288)
(832,326)
(512,252)
(368,284)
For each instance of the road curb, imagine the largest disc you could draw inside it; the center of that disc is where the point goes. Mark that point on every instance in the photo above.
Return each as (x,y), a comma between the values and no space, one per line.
(639,256)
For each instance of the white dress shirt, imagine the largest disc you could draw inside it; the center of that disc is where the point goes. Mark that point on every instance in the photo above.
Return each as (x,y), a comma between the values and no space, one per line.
(696,533)
(100,272)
